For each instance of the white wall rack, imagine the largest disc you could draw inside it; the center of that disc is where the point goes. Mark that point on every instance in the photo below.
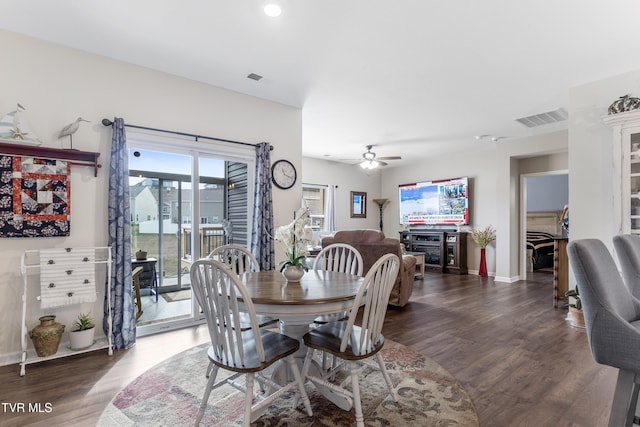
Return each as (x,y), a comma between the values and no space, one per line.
(67,262)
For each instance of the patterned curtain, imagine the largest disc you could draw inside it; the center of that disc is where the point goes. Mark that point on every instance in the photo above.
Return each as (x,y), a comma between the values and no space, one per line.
(122,308)
(261,236)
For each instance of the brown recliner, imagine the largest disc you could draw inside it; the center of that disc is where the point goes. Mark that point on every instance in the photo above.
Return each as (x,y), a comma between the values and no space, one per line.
(372,244)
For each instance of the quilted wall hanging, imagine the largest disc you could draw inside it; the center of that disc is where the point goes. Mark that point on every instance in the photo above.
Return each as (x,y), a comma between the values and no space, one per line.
(34,197)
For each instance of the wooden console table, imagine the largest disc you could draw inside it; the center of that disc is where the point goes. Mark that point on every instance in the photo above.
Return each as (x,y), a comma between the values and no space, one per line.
(445,251)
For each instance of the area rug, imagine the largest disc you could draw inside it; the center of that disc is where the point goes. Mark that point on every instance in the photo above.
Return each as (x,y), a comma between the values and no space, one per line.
(177,296)
(169,394)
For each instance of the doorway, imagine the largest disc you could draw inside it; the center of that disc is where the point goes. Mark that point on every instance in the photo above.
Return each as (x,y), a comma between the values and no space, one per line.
(544,196)
(175,225)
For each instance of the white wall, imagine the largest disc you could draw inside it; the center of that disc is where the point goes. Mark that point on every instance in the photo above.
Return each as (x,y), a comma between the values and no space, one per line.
(547,193)
(591,156)
(508,160)
(494,183)
(480,167)
(348,178)
(58,84)
(591,185)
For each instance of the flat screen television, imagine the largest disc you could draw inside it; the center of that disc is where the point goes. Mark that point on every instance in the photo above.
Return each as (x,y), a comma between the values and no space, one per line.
(442,202)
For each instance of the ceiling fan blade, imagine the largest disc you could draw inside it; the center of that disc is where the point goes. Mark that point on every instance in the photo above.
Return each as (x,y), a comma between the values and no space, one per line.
(389,158)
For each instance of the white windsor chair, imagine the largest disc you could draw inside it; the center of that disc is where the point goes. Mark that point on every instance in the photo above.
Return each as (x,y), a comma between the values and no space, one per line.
(218,290)
(353,343)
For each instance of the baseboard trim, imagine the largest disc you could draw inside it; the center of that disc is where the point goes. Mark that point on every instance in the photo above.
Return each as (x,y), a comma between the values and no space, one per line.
(507,279)
(10,359)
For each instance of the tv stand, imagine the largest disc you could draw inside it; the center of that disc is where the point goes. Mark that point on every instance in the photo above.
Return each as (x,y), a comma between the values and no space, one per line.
(445,251)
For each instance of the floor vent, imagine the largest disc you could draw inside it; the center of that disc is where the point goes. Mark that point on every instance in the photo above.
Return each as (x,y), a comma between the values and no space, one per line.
(542,119)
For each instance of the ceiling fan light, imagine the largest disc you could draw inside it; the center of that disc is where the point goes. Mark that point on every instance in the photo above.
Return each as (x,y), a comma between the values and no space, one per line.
(369,164)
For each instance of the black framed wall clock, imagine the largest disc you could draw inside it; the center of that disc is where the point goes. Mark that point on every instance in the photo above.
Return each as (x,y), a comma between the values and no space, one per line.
(283,174)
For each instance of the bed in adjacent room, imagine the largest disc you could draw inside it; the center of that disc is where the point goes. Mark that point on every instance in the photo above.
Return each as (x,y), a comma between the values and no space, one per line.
(542,228)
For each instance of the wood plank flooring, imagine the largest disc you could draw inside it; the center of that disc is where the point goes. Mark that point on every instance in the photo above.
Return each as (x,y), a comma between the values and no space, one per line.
(516,356)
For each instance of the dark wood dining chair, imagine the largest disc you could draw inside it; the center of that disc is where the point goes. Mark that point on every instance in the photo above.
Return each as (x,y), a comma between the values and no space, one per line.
(135,276)
(352,343)
(248,352)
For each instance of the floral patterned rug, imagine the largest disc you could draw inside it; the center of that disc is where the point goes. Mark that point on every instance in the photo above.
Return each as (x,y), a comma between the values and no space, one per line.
(169,395)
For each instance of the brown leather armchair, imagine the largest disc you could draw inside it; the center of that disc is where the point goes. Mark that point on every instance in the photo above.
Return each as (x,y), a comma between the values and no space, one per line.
(372,244)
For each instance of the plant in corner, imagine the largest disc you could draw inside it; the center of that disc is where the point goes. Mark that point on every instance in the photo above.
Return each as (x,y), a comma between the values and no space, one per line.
(296,239)
(575,309)
(483,237)
(82,333)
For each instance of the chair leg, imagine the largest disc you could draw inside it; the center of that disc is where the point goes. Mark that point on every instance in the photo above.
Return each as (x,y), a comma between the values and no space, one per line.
(634,402)
(385,374)
(354,368)
(205,397)
(248,402)
(325,362)
(298,378)
(623,406)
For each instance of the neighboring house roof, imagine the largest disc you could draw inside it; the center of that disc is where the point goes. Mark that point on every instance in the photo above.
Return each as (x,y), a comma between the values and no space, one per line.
(134,190)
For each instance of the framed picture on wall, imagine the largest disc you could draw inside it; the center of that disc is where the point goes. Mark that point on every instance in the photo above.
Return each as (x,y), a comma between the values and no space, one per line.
(358,204)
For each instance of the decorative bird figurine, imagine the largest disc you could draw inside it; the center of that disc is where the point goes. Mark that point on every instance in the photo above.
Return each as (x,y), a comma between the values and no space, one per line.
(70,129)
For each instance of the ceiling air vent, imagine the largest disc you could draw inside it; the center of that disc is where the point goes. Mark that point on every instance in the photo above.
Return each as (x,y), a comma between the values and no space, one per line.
(542,119)
(254,76)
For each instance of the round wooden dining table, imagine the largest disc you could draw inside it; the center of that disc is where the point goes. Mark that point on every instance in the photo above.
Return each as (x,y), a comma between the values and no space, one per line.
(297,304)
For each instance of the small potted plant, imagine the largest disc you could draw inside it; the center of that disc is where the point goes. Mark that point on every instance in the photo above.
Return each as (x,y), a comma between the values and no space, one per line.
(82,333)
(575,309)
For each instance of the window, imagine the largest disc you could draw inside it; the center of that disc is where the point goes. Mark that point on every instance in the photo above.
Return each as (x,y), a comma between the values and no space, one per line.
(313,197)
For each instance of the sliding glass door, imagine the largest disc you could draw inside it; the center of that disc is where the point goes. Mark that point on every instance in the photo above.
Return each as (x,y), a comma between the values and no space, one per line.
(175,225)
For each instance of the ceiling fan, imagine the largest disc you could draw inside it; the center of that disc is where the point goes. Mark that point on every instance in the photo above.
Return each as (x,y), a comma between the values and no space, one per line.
(370,161)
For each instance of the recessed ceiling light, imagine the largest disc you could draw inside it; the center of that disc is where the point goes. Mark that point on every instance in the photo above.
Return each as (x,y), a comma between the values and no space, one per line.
(273,9)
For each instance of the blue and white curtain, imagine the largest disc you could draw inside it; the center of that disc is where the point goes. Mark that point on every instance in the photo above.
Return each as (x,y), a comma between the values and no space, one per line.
(122,308)
(261,237)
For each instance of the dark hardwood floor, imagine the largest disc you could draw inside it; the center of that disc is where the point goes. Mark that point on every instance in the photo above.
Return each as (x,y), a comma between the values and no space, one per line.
(516,356)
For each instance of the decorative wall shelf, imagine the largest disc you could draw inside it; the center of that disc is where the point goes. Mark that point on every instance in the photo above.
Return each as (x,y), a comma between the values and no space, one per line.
(75,157)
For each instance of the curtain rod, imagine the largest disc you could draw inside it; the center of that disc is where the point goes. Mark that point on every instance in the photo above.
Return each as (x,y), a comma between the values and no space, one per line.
(107,122)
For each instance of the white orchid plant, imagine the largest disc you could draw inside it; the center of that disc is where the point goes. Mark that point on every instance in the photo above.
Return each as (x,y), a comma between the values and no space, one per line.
(296,238)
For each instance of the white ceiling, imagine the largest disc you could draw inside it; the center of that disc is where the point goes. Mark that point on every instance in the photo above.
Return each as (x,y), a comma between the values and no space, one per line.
(412,77)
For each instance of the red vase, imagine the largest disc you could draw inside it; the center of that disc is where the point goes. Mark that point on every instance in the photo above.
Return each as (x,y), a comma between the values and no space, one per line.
(483,263)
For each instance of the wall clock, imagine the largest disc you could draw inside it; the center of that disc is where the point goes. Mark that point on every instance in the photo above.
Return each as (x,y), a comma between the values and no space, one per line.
(283,174)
